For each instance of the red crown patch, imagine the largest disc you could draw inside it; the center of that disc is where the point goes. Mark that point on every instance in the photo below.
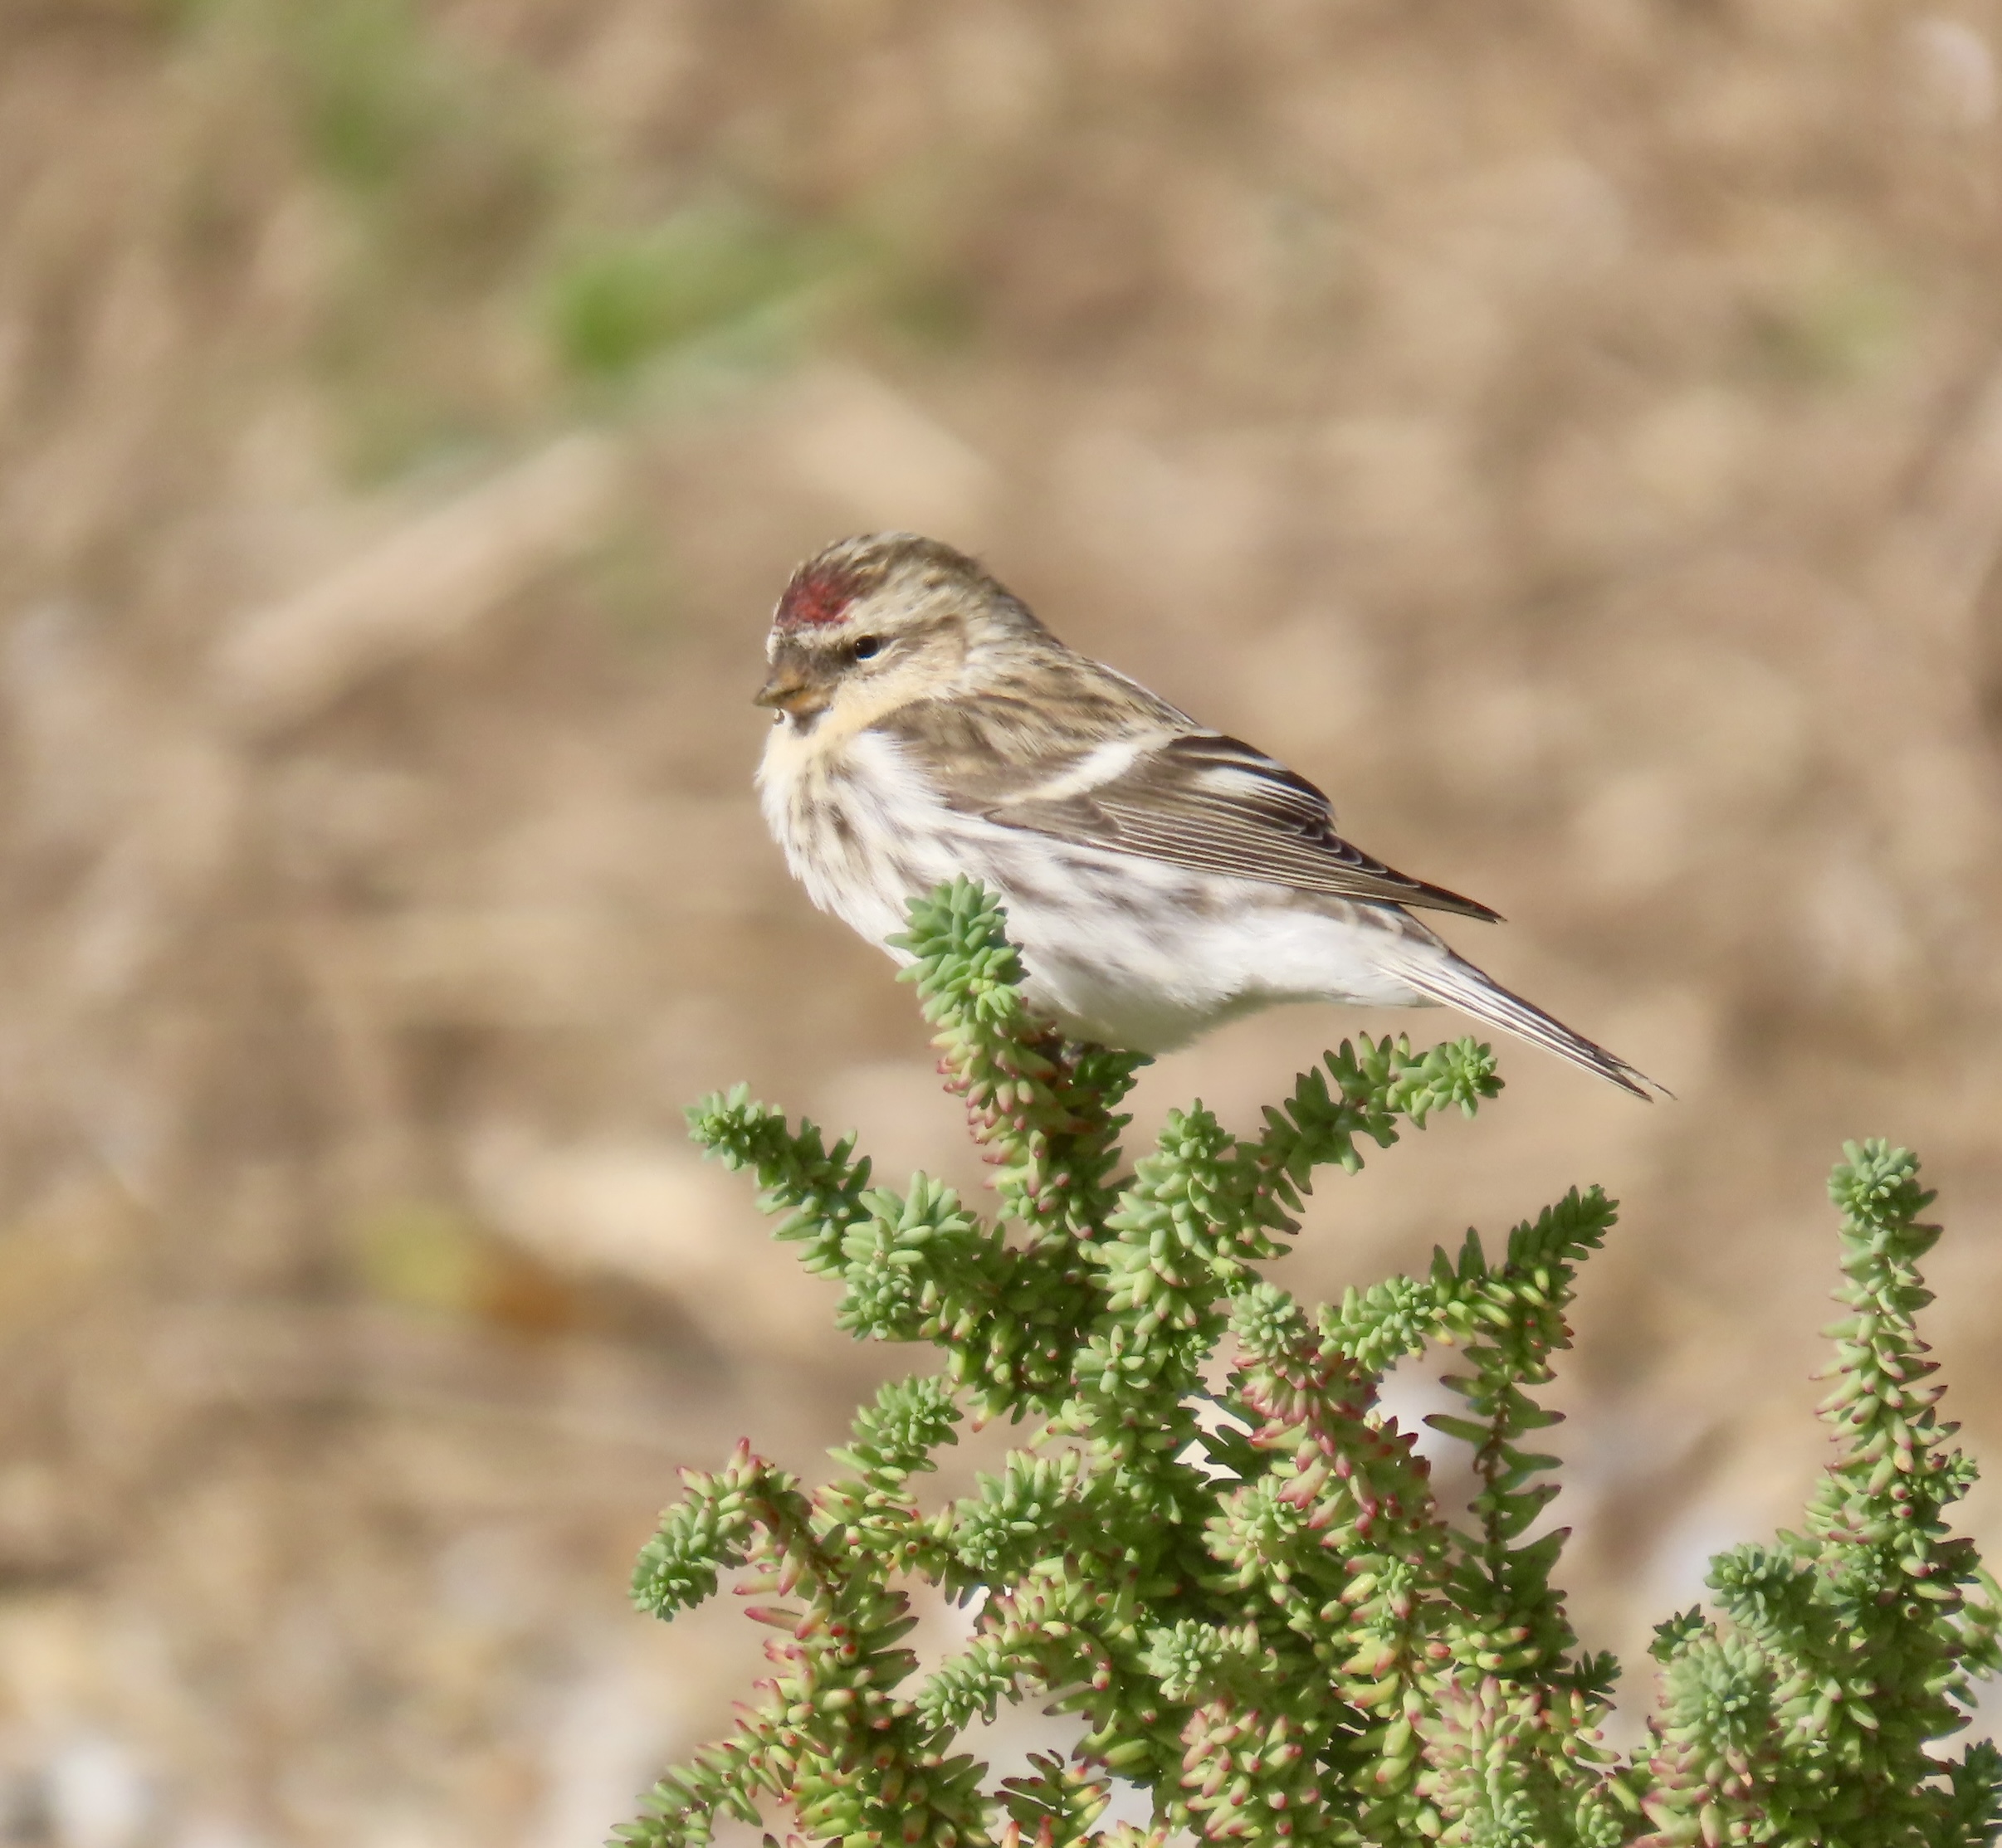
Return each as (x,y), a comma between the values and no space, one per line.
(817,594)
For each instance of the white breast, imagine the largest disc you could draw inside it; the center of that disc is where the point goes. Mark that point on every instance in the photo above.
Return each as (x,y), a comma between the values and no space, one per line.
(861,829)
(1119,948)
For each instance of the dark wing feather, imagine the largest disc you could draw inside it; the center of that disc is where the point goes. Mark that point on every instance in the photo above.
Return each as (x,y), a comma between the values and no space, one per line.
(1214,805)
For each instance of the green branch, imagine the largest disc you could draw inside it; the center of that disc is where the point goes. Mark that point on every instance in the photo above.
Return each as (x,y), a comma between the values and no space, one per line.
(1214,1550)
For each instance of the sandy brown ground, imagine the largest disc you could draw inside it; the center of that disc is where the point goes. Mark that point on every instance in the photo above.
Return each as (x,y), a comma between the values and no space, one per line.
(1570,430)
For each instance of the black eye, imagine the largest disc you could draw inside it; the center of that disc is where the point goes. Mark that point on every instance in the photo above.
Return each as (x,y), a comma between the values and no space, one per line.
(864,646)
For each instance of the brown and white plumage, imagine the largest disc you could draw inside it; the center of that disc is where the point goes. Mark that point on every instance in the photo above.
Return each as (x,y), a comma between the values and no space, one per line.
(1159,877)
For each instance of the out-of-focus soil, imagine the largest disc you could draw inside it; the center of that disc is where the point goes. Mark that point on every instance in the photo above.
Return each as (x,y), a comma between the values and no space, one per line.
(1570,431)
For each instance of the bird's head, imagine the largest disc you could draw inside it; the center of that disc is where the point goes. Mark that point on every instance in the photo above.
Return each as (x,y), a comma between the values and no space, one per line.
(871,623)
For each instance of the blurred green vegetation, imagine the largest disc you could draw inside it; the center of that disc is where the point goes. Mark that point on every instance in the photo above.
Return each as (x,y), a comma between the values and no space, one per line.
(490,273)
(428,1256)
(725,272)
(379,95)
(1837,330)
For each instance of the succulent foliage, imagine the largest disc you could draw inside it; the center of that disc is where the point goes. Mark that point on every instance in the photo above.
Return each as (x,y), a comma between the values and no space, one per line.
(1215,1550)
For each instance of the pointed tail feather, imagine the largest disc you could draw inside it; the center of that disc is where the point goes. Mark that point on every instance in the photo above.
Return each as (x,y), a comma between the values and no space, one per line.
(1459,984)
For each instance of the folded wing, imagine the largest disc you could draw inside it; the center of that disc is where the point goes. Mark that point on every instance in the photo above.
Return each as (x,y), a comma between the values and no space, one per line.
(1213,804)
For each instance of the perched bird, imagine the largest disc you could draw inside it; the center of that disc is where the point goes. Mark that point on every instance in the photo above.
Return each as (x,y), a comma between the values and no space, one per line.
(1159,877)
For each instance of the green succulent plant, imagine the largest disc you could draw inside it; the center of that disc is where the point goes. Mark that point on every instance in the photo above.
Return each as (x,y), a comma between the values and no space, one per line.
(1249,1594)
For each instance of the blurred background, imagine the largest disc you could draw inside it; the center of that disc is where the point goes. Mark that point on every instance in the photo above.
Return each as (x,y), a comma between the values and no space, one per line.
(1570,431)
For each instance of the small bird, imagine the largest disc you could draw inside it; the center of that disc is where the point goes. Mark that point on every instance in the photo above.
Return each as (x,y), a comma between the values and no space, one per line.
(1159,877)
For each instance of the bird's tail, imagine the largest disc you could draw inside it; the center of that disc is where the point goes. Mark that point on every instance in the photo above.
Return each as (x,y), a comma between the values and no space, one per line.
(1456,982)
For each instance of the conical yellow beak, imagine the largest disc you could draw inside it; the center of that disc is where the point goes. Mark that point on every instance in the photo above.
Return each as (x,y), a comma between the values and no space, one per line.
(789,690)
